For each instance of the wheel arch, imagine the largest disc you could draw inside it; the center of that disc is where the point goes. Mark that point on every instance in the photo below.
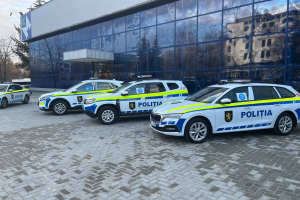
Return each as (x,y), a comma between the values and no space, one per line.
(107,104)
(59,99)
(201,117)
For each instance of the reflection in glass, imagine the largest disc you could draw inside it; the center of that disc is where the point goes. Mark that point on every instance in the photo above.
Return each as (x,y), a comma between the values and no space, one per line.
(294,19)
(186,8)
(236,53)
(235,3)
(230,74)
(120,63)
(211,77)
(236,20)
(165,35)
(207,6)
(119,42)
(148,17)
(95,31)
(186,31)
(293,77)
(267,16)
(185,57)
(119,25)
(148,37)
(77,46)
(132,61)
(271,54)
(96,44)
(120,76)
(293,53)
(210,27)
(209,55)
(268,75)
(86,44)
(86,33)
(133,40)
(68,37)
(77,35)
(148,61)
(166,13)
(165,59)
(106,43)
(106,28)
(133,21)
(165,75)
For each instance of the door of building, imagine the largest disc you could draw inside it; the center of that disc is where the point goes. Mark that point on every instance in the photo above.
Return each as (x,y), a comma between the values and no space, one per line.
(103,70)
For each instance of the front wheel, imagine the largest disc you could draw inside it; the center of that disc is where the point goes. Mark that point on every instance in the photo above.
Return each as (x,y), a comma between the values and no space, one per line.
(197,130)
(4,103)
(26,100)
(284,124)
(107,115)
(60,108)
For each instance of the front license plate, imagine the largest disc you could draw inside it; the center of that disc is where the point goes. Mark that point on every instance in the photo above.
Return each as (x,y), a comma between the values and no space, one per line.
(153,123)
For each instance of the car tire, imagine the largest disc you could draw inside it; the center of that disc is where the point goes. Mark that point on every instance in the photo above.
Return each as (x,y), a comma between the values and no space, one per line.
(4,103)
(26,100)
(60,107)
(197,130)
(284,124)
(107,115)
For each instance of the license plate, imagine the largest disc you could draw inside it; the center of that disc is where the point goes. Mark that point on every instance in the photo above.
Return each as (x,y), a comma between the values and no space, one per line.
(153,123)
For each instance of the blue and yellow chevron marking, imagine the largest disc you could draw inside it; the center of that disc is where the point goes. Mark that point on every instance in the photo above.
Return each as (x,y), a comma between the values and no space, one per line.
(81,93)
(136,111)
(243,127)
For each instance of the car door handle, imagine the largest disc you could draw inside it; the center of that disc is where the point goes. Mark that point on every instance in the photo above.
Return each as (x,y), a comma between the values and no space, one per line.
(165,96)
(247,108)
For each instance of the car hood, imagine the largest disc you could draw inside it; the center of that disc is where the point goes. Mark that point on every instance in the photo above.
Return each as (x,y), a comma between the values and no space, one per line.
(52,93)
(178,106)
(1,93)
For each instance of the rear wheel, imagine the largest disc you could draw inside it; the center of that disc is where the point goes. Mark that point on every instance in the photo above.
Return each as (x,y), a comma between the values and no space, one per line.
(59,108)
(4,103)
(107,115)
(197,130)
(26,100)
(284,124)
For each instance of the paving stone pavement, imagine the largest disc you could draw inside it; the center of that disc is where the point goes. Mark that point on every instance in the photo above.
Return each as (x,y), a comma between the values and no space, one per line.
(43,156)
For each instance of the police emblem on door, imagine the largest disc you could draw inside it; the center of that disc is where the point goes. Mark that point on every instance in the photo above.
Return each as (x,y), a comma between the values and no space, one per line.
(132,105)
(79,98)
(228,116)
(12,96)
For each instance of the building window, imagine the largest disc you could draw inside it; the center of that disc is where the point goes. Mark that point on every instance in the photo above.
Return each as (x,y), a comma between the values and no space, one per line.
(245,56)
(247,45)
(263,43)
(269,42)
(229,48)
(268,54)
(262,54)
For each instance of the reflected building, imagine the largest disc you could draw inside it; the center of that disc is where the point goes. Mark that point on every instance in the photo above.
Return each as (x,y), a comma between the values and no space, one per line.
(196,41)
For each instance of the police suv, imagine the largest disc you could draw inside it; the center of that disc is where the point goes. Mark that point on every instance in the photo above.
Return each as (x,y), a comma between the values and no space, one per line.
(63,101)
(13,93)
(229,107)
(134,98)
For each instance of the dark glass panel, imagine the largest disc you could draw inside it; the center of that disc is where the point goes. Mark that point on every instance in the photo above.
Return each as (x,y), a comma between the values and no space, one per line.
(293,53)
(210,27)
(235,3)
(133,21)
(106,28)
(86,68)
(165,35)
(186,8)
(77,35)
(267,16)
(120,63)
(294,14)
(119,25)
(186,31)
(95,31)
(166,75)
(131,77)
(77,46)
(235,73)
(234,21)
(86,33)
(61,39)
(188,78)
(107,43)
(148,60)
(119,42)
(148,17)
(165,59)
(293,77)
(209,55)
(166,13)
(133,61)
(86,44)
(68,38)
(211,77)
(207,6)
(148,38)
(133,40)
(96,44)
(120,76)
(277,50)
(185,57)
(268,75)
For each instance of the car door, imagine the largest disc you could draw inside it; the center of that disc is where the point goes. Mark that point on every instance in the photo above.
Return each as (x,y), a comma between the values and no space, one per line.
(235,116)
(265,108)
(82,92)
(11,94)
(135,100)
(174,87)
(19,94)
(156,96)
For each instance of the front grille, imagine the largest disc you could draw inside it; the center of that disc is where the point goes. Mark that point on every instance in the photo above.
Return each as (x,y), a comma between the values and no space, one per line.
(155,117)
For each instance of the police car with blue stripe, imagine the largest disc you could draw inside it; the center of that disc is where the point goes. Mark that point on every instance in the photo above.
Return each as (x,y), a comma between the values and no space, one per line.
(134,98)
(13,93)
(230,106)
(71,99)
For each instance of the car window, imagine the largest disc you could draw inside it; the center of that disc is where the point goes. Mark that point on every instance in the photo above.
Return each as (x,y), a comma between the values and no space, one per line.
(207,95)
(12,87)
(285,93)
(263,93)
(18,87)
(114,86)
(103,86)
(137,89)
(237,95)
(157,87)
(173,86)
(85,87)
(3,88)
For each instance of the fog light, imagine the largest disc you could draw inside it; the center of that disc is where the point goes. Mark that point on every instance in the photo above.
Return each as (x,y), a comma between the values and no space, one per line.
(171,129)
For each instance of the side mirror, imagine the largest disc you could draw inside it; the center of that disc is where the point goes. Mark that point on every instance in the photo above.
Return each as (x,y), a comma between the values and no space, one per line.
(225,101)
(10,90)
(74,91)
(124,93)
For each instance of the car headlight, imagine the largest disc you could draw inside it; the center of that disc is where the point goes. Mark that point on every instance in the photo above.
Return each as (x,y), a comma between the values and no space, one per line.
(89,101)
(45,97)
(173,115)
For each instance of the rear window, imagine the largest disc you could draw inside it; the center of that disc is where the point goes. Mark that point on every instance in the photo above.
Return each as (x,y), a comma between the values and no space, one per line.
(157,87)
(173,86)
(263,93)
(285,93)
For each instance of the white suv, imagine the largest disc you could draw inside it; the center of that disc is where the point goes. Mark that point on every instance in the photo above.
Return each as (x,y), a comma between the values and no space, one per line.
(13,93)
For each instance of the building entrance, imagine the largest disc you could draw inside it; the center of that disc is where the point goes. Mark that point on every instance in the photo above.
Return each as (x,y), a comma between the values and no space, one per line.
(103,70)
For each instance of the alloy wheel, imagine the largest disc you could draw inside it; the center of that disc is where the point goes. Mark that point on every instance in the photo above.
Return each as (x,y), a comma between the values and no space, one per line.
(60,108)
(285,124)
(198,131)
(108,116)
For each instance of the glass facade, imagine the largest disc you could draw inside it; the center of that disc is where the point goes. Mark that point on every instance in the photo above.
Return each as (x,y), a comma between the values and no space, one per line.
(196,41)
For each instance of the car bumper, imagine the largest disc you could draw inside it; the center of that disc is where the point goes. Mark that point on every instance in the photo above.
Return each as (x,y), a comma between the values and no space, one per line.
(43,105)
(90,114)
(168,126)
(166,131)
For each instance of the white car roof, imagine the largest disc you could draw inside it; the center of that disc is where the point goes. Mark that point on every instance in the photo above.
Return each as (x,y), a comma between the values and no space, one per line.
(102,80)
(235,85)
(156,80)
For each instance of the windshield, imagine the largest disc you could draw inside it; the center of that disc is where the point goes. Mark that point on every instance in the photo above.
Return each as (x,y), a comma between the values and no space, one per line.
(73,86)
(119,89)
(207,95)
(3,88)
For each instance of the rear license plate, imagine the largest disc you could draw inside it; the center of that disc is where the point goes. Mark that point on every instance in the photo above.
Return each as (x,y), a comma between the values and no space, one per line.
(153,123)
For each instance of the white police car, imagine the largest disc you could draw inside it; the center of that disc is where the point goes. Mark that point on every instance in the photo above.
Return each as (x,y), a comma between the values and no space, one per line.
(13,93)
(229,107)
(63,101)
(134,98)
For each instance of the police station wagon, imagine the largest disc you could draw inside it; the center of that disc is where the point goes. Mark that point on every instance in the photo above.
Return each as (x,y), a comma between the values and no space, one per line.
(134,98)
(229,107)
(13,93)
(63,101)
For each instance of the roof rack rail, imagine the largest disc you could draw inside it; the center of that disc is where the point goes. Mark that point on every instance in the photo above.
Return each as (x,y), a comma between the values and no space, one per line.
(240,81)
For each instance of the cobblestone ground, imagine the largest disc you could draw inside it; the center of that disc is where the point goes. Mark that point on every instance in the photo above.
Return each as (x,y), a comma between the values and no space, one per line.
(43,156)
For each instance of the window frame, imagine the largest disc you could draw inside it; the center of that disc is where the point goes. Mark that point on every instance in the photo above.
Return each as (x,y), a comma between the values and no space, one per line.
(218,101)
(93,83)
(267,87)
(96,86)
(172,83)
(280,94)
(146,88)
(149,92)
